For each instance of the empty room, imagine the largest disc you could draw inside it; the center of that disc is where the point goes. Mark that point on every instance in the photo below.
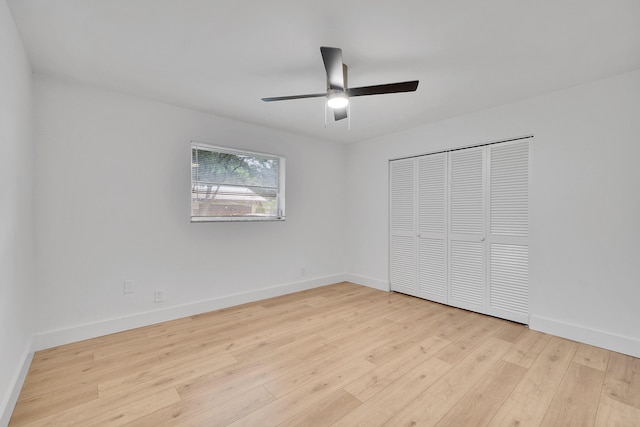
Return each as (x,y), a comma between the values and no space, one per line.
(302,213)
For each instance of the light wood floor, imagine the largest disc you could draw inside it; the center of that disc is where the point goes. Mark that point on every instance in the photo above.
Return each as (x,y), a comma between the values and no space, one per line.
(341,355)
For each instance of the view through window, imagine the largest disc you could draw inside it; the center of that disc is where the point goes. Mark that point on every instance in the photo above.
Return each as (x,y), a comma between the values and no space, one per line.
(235,185)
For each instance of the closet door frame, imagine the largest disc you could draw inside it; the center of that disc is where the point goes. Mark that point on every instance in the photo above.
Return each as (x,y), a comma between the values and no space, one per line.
(486,239)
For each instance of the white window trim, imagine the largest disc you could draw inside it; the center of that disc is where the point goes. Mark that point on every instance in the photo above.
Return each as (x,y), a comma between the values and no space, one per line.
(281,216)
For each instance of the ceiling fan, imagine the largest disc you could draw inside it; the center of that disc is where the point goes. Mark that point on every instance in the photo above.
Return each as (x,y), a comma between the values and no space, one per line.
(338,92)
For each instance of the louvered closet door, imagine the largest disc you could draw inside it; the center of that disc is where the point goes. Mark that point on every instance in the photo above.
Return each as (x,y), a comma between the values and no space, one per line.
(460,228)
(467,285)
(508,246)
(432,227)
(402,269)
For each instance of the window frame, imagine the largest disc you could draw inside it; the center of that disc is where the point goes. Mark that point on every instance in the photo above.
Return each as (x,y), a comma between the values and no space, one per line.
(280,197)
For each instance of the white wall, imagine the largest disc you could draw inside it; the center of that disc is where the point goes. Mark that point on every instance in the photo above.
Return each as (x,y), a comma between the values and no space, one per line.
(112,201)
(16,220)
(585,203)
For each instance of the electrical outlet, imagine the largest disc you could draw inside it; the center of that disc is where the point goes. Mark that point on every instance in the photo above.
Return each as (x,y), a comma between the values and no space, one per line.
(303,272)
(128,287)
(158,296)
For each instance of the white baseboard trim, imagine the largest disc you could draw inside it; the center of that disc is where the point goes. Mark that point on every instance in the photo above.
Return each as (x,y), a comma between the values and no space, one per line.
(370,282)
(9,402)
(55,338)
(607,340)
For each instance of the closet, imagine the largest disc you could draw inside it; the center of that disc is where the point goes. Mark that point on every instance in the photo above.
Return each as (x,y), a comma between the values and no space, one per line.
(459,228)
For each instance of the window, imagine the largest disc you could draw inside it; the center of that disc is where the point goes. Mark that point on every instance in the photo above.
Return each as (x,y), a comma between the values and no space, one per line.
(235,185)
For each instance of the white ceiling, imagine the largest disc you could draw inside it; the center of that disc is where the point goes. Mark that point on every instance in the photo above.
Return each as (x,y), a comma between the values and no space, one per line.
(222,56)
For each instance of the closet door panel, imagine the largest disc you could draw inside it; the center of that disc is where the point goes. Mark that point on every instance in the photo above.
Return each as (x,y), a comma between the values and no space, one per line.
(432,194)
(467,284)
(432,269)
(402,196)
(402,245)
(467,278)
(432,227)
(509,190)
(466,193)
(403,264)
(508,277)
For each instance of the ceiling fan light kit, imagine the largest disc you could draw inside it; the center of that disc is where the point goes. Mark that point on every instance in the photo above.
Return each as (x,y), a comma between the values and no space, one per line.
(338,92)
(337,100)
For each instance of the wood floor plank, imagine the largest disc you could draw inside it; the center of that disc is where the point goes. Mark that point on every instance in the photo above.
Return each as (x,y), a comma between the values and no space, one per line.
(50,403)
(130,410)
(374,308)
(90,376)
(593,357)
(340,355)
(308,371)
(458,321)
(80,348)
(511,332)
(235,342)
(312,367)
(236,380)
(622,379)
(347,330)
(165,374)
(576,401)
(612,413)
(229,411)
(527,348)
(326,412)
(410,311)
(68,366)
(528,403)
(475,334)
(304,397)
(421,328)
(209,404)
(308,343)
(242,311)
(382,406)
(58,355)
(385,374)
(373,333)
(114,347)
(478,406)
(113,409)
(433,404)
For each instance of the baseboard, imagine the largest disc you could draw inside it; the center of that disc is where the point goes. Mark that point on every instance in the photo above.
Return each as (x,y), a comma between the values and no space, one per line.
(7,406)
(367,281)
(607,340)
(55,338)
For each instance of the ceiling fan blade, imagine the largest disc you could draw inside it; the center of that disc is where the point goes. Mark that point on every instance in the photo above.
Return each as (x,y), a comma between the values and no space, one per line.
(332,58)
(340,113)
(285,98)
(382,89)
